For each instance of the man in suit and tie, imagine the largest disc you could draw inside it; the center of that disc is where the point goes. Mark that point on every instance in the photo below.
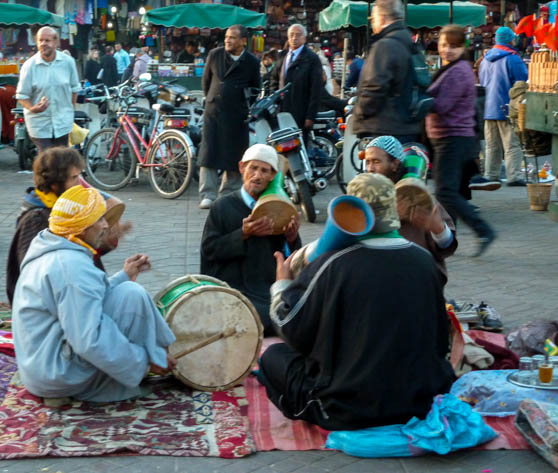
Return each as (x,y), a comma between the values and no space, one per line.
(229,74)
(303,70)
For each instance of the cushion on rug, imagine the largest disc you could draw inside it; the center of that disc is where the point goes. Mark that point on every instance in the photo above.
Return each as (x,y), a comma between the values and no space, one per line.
(172,420)
(491,394)
(538,423)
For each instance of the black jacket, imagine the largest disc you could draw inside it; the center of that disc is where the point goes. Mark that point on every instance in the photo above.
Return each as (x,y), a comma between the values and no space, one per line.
(371,358)
(305,75)
(110,72)
(246,265)
(385,85)
(226,84)
(92,69)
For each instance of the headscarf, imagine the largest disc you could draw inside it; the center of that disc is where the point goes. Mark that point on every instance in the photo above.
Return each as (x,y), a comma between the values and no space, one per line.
(76,210)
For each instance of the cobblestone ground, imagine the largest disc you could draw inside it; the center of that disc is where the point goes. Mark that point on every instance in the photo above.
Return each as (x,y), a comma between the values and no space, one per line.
(517,276)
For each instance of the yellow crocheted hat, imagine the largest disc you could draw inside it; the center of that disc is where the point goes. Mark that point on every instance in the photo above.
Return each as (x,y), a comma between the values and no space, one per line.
(76,210)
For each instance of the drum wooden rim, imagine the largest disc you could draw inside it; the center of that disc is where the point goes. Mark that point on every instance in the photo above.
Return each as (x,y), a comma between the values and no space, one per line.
(196,291)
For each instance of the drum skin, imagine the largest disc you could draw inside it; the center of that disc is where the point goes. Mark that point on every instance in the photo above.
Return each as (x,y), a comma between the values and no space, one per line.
(201,312)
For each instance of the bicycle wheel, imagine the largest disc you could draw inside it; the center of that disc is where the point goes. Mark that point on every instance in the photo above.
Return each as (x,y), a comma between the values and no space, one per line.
(325,159)
(174,162)
(110,162)
(339,174)
(356,162)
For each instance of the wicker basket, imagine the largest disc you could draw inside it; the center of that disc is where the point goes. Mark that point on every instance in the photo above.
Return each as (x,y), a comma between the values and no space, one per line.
(539,195)
(521,116)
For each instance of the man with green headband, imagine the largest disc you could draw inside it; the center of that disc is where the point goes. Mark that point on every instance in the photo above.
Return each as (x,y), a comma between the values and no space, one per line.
(357,354)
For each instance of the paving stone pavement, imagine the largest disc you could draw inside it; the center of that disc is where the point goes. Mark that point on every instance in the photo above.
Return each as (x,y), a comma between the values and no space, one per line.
(517,275)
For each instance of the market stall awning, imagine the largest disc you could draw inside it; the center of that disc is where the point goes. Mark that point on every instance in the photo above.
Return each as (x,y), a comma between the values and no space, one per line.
(13,14)
(344,13)
(204,15)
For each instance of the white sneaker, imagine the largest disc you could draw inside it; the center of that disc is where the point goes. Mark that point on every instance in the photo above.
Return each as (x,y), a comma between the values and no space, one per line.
(205,203)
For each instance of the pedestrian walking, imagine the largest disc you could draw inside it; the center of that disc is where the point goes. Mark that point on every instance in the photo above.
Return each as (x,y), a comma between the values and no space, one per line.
(47,90)
(451,129)
(122,59)
(93,67)
(499,70)
(110,72)
(385,84)
(141,61)
(302,68)
(229,74)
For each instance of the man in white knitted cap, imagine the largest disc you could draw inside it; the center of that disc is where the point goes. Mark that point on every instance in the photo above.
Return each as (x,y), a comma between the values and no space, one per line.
(236,247)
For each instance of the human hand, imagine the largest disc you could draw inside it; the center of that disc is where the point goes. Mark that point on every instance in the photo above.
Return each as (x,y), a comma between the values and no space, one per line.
(283,266)
(262,226)
(291,230)
(40,106)
(156,369)
(419,217)
(135,265)
(308,123)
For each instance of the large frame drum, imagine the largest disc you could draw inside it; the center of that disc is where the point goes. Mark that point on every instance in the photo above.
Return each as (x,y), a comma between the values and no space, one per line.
(218,331)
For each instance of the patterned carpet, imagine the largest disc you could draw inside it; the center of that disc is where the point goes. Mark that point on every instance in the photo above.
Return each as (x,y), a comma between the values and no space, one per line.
(172,420)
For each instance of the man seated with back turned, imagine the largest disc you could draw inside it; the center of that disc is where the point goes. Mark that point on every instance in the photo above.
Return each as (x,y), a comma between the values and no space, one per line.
(237,248)
(78,333)
(433,231)
(356,356)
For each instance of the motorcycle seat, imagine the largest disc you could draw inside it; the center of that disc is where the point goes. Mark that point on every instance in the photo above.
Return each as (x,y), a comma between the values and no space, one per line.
(81,116)
(164,108)
(134,111)
(329,115)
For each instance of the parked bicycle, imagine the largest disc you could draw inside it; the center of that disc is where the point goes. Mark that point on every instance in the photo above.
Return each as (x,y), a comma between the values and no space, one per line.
(114,156)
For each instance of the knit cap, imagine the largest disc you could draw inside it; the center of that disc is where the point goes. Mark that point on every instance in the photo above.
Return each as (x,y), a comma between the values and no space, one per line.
(261,152)
(389,144)
(504,35)
(76,210)
(378,192)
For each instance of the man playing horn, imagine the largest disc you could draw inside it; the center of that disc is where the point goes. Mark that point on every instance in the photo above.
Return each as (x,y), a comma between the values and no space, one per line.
(238,248)
(355,356)
(78,333)
(433,230)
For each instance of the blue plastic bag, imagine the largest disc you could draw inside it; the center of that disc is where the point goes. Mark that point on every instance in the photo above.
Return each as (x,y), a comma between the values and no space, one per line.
(450,425)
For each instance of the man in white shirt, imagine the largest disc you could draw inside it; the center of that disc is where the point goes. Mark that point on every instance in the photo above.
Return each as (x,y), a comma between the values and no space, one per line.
(47,90)
(122,59)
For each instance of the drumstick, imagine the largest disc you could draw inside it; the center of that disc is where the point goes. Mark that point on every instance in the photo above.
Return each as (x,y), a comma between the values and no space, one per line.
(218,336)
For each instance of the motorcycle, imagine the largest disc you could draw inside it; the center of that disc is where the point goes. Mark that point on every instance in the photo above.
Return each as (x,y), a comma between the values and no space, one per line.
(279,129)
(322,150)
(24,146)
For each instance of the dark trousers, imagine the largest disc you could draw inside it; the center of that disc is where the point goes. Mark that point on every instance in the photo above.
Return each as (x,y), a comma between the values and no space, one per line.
(44,143)
(451,155)
(282,374)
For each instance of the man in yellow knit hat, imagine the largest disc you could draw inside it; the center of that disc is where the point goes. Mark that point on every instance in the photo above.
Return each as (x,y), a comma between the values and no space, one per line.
(78,333)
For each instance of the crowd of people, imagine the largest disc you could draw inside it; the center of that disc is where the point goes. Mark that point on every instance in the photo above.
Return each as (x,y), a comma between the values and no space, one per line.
(348,343)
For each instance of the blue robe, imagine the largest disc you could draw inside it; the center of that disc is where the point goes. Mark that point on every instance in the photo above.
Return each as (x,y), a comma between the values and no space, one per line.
(79,333)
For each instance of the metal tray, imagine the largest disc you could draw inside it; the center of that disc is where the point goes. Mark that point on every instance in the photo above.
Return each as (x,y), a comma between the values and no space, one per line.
(512,378)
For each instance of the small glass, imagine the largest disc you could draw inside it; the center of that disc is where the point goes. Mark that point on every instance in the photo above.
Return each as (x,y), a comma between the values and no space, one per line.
(525,373)
(545,372)
(536,361)
(554,361)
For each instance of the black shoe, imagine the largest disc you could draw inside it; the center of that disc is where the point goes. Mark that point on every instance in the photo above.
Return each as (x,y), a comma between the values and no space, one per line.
(518,183)
(479,183)
(483,243)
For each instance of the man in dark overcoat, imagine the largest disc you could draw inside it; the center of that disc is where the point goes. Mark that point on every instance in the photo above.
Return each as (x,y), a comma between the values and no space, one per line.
(229,74)
(303,69)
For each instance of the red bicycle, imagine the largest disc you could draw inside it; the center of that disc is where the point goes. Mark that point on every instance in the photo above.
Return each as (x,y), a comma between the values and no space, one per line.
(112,155)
